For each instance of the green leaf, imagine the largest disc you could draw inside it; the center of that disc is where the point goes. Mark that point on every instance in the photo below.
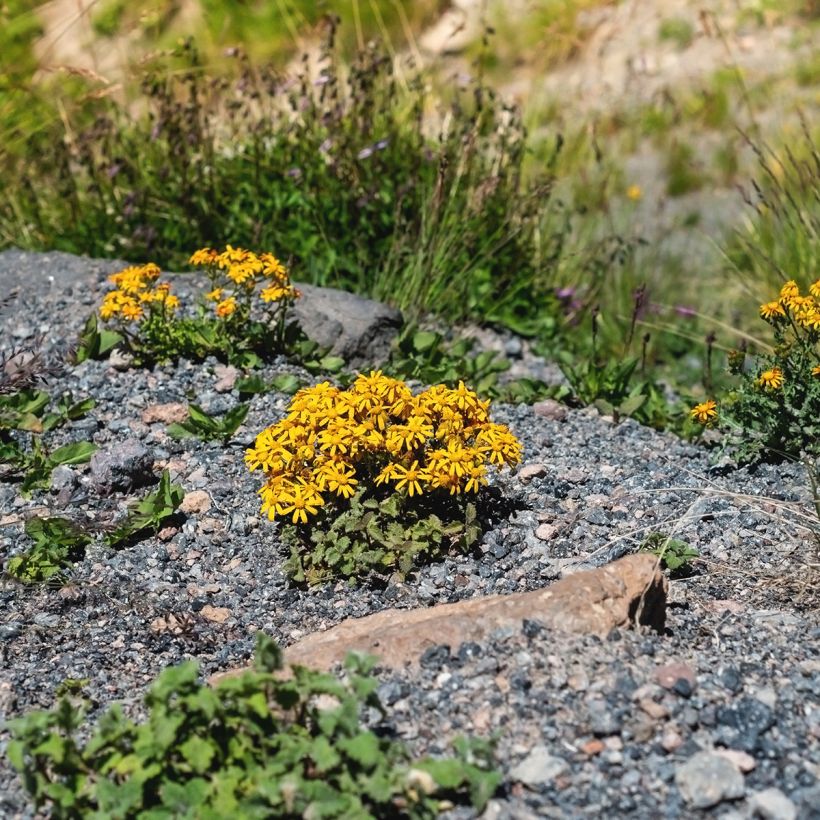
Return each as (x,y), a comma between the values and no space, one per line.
(425,340)
(448,772)
(332,364)
(630,405)
(79,452)
(176,430)
(364,748)
(286,383)
(198,753)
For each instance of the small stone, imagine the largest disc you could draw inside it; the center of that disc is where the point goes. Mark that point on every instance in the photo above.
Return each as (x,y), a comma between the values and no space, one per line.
(772,804)
(655,710)
(226,376)
(546,532)
(63,478)
(538,768)
(707,779)
(592,747)
(119,360)
(195,502)
(530,471)
(743,761)
(602,719)
(550,409)
(671,741)
(164,413)
(669,675)
(124,466)
(217,614)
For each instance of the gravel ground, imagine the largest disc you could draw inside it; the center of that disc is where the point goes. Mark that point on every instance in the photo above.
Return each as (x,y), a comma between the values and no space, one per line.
(719,716)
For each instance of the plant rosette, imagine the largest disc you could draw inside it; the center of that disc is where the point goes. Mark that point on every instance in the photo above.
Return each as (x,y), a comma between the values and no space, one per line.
(241,315)
(372,478)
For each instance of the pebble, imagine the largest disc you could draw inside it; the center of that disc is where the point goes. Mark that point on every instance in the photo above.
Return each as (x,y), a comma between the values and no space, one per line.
(772,804)
(707,779)
(539,768)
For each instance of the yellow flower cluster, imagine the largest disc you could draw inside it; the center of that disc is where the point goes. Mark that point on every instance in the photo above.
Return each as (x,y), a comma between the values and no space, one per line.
(377,430)
(136,288)
(803,311)
(244,270)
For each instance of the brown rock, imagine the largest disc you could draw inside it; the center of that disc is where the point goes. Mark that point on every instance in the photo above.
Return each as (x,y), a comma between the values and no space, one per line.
(668,676)
(653,709)
(217,614)
(550,409)
(618,595)
(592,747)
(530,471)
(671,741)
(226,376)
(742,761)
(197,501)
(546,532)
(165,413)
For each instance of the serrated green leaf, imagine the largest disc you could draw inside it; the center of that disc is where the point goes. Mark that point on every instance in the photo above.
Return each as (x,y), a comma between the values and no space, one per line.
(198,753)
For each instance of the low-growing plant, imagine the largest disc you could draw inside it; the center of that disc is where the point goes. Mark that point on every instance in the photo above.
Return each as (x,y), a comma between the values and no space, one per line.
(256,745)
(149,514)
(675,554)
(201,425)
(373,476)
(241,317)
(27,411)
(60,542)
(774,413)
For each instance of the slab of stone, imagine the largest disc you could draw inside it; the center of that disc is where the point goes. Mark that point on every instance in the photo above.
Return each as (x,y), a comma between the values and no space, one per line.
(357,329)
(707,779)
(629,591)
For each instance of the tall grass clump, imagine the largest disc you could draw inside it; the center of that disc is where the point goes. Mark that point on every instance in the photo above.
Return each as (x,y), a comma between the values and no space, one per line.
(351,171)
(780,240)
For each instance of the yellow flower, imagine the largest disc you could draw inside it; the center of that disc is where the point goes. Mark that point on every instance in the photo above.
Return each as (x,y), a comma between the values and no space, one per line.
(300,499)
(815,371)
(476,478)
(226,307)
(273,268)
(771,379)
(340,480)
(131,311)
(215,295)
(204,256)
(810,319)
(789,292)
(242,272)
(634,192)
(276,293)
(410,477)
(704,412)
(772,310)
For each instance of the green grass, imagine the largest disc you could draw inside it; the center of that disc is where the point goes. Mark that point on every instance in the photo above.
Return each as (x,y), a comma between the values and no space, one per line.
(678,31)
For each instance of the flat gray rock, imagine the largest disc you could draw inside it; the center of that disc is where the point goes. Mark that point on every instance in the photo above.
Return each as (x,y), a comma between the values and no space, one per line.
(357,329)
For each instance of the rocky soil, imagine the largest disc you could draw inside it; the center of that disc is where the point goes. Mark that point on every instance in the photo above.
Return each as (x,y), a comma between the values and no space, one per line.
(717,715)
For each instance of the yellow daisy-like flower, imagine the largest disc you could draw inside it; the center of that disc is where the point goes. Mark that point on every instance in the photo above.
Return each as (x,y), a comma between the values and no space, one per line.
(226,308)
(789,292)
(814,289)
(273,268)
(204,256)
(772,310)
(301,499)
(276,293)
(705,412)
(131,311)
(215,295)
(634,192)
(410,477)
(815,371)
(811,319)
(771,379)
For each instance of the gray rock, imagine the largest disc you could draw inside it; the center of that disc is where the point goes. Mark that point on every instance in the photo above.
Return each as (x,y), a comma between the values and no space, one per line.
(707,779)
(63,478)
(124,466)
(539,768)
(54,270)
(357,329)
(772,804)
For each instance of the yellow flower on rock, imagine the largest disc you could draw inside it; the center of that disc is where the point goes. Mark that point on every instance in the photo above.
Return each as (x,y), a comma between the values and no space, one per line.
(705,412)
(771,379)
